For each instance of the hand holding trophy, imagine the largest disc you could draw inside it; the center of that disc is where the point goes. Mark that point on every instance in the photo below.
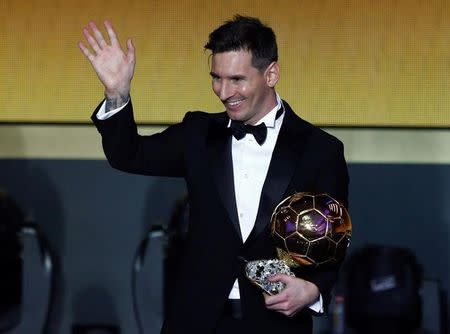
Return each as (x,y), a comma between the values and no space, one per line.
(307,230)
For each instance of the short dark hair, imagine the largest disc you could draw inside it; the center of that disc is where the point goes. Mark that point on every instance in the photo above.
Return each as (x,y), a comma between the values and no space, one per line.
(249,34)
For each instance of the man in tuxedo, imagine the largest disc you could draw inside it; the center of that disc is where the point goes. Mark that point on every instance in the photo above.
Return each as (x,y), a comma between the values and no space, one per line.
(238,165)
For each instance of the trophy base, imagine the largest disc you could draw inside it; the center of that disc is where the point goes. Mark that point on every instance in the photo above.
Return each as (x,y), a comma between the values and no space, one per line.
(259,272)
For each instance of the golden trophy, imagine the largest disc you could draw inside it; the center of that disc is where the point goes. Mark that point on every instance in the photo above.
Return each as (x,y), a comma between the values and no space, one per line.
(307,230)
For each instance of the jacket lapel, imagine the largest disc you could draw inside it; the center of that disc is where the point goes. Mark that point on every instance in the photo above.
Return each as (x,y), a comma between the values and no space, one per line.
(219,151)
(285,157)
(284,162)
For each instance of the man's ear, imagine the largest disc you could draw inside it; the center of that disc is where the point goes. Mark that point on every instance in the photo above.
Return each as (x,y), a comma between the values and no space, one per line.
(272,74)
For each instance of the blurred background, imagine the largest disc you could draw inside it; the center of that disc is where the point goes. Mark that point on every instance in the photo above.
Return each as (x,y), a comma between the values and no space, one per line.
(373,73)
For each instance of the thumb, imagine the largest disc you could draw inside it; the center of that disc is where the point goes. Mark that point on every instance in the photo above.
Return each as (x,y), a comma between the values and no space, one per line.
(130,47)
(280,278)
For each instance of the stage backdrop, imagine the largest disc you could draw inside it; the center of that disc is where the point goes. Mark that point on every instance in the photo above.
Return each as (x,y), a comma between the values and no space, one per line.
(343,62)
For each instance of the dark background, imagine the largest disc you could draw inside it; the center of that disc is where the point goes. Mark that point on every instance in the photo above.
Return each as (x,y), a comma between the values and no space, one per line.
(94,218)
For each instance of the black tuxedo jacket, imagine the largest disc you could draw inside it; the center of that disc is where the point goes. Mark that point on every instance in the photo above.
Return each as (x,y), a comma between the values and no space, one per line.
(305,158)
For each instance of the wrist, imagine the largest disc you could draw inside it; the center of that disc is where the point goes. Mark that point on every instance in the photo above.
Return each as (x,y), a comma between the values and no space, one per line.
(115,100)
(313,291)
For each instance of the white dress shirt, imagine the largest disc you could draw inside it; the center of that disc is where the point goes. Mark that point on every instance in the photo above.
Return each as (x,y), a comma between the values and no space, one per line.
(250,165)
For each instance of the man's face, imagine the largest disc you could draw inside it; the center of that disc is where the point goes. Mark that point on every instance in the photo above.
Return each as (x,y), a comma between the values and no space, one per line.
(247,94)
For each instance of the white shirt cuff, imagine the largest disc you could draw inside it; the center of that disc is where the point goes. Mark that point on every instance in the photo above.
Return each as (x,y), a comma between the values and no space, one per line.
(102,114)
(317,306)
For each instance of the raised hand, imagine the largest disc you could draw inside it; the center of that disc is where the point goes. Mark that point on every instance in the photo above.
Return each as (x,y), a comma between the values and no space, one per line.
(113,66)
(297,295)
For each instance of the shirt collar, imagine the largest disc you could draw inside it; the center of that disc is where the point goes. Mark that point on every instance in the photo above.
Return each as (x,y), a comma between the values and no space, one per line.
(270,118)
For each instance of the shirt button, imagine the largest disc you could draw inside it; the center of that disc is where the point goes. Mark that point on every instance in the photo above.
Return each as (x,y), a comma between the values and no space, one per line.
(241,215)
(246,176)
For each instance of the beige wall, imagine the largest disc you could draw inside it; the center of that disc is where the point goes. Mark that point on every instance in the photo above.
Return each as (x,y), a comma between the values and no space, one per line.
(425,146)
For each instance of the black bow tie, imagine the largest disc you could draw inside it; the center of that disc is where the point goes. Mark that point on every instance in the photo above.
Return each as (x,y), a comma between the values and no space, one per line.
(239,129)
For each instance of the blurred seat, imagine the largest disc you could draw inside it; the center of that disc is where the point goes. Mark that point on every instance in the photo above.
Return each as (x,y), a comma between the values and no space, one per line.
(383,290)
(154,267)
(36,284)
(147,281)
(433,316)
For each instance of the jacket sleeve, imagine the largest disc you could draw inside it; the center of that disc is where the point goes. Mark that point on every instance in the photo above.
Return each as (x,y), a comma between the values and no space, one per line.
(160,154)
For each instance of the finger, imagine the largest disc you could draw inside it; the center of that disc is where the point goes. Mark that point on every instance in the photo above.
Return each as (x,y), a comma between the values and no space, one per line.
(275,307)
(273,278)
(282,306)
(91,40)
(280,278)
(279,307)
(98,35)
(130,53)
(275,299)
(86,51)
(112,34)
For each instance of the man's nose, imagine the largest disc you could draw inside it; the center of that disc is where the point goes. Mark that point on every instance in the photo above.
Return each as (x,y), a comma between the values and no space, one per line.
(225,91)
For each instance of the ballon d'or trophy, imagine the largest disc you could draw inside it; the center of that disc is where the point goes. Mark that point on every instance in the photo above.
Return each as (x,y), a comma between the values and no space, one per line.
(307,230)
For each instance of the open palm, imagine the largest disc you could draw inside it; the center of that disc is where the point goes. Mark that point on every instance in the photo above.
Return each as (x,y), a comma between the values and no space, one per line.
(113,66)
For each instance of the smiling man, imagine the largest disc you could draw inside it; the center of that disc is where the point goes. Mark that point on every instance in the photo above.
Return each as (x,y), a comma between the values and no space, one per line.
(247,92)
(238,165)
